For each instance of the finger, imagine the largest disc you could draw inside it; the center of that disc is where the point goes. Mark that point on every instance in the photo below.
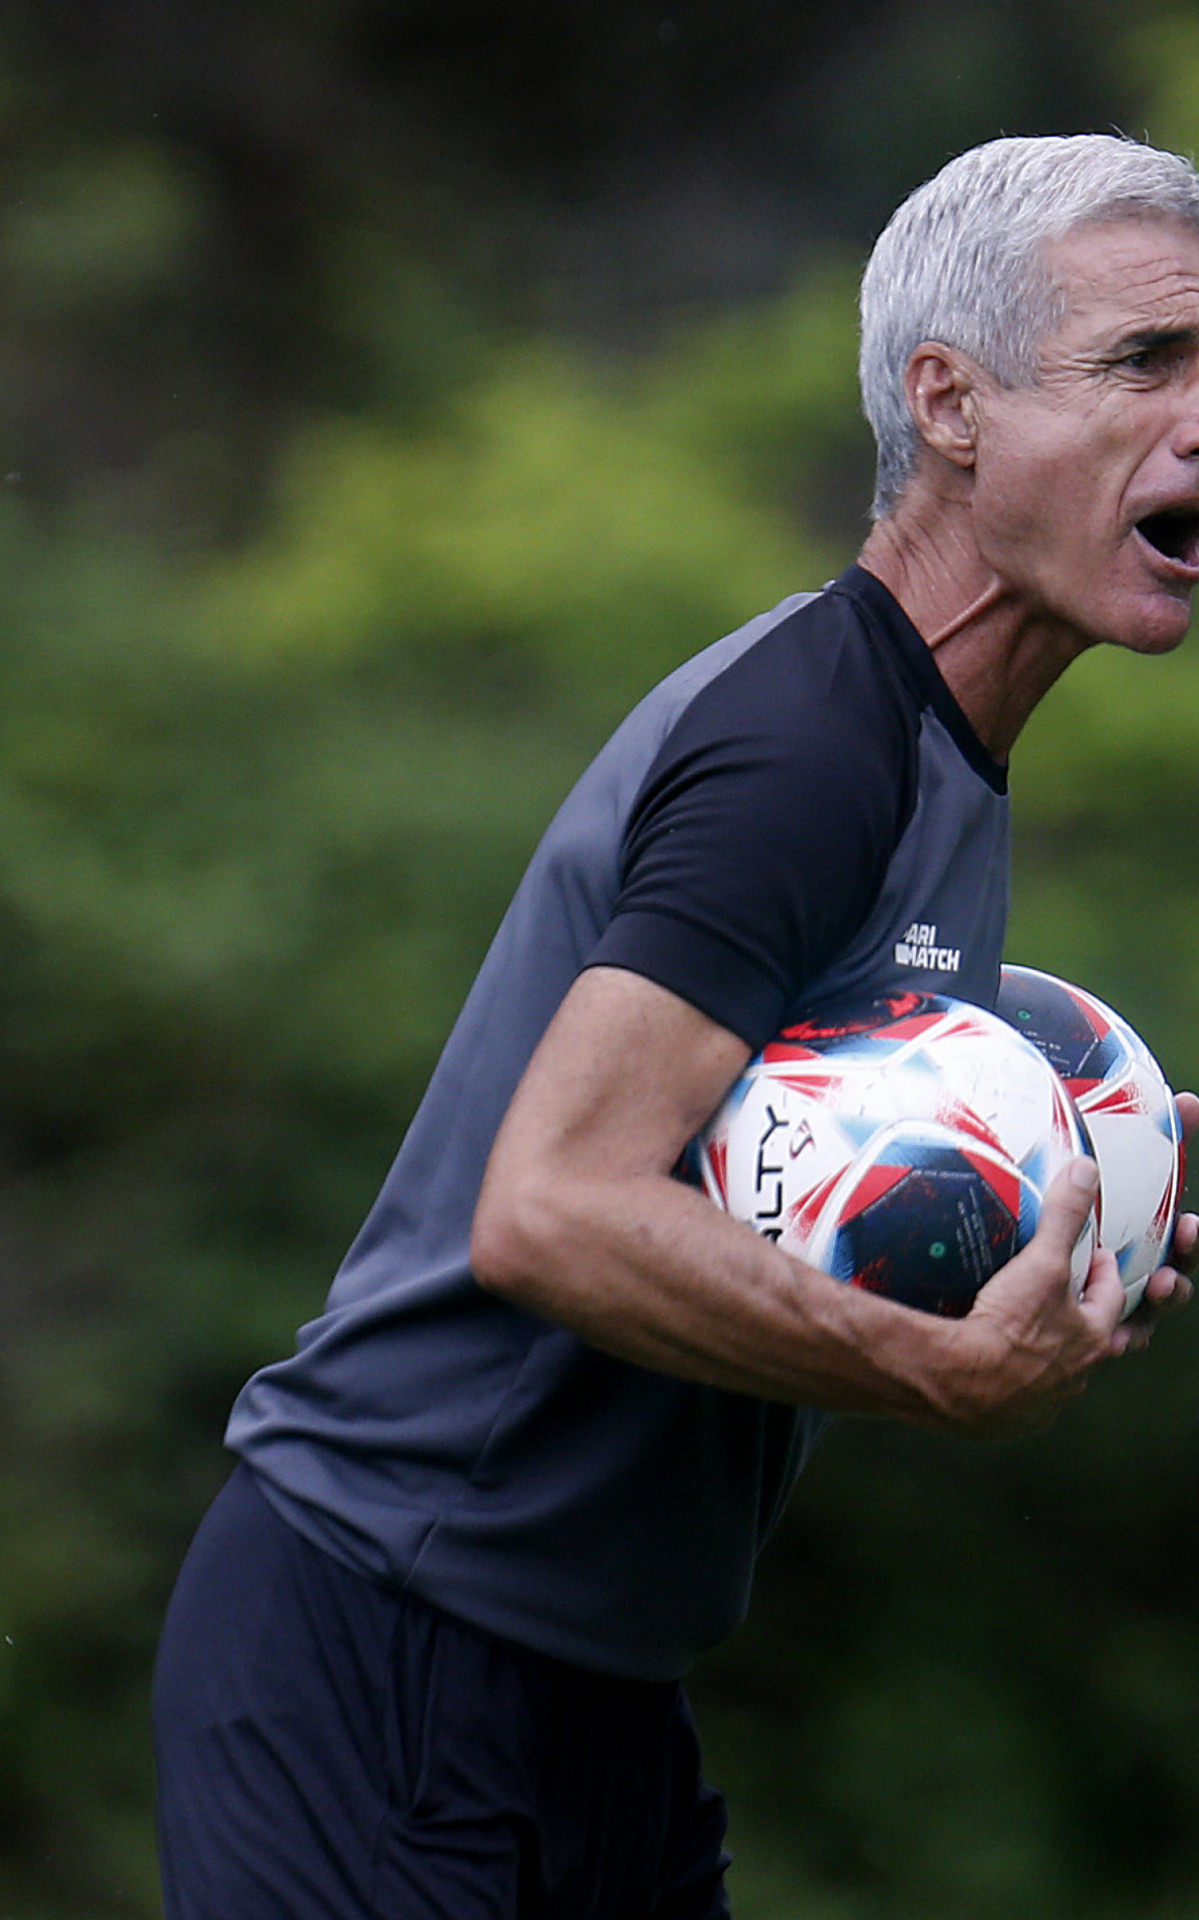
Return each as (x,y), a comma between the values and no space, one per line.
(1134,1335)
(1104,1299)
(1168,1289)
(1185,1242)
(1068,1202)
(1188,1111)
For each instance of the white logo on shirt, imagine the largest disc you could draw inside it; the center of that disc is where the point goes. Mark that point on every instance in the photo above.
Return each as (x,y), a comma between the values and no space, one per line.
(919,949)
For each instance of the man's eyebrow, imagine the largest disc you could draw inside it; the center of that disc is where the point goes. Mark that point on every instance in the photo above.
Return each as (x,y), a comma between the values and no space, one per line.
(1153,337)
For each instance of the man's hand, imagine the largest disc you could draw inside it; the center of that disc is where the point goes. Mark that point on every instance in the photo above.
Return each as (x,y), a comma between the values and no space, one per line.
(1038,1341)
(1030,1340)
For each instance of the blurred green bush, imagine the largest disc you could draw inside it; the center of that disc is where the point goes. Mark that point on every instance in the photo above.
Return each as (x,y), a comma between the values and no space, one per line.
(262,802)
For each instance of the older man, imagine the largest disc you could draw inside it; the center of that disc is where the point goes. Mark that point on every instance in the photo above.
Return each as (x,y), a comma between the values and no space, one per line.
(424,1658)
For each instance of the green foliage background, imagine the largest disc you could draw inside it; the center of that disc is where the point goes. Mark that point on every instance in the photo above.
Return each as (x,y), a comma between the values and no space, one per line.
(287,692)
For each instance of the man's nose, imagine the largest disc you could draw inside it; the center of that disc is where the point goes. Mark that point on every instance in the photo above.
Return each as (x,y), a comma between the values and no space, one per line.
(1184,443)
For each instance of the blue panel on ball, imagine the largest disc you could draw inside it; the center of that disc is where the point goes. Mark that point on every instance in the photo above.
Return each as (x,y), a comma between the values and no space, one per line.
(932,1240)
(1046,1012)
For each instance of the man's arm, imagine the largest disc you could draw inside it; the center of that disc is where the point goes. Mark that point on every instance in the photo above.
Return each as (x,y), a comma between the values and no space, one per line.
(580,1221)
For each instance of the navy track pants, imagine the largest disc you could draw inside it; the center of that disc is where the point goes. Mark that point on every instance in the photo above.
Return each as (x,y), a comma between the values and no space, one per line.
(330,1750)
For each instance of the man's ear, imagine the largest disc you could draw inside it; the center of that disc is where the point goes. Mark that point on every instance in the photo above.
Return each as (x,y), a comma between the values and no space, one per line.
(941,385)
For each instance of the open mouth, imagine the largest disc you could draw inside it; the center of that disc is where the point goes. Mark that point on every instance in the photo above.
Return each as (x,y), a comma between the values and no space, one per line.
(1174,533)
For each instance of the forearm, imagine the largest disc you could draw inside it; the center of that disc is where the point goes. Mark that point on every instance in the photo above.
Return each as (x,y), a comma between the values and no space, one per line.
(580,1221)
(652,1271)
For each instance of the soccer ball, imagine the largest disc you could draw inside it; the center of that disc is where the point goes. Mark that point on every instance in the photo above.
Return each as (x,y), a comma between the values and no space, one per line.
(1127,1108)
(905,1148)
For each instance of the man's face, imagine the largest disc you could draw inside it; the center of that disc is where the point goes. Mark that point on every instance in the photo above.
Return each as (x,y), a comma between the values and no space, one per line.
(1086,489)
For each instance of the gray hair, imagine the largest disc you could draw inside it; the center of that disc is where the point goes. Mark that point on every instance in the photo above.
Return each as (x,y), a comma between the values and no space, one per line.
(961,262)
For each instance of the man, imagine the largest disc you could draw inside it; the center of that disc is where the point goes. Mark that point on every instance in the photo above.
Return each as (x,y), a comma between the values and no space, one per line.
(424,1657)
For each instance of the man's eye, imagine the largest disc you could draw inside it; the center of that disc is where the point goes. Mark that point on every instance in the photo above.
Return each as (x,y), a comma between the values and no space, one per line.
(1142,361)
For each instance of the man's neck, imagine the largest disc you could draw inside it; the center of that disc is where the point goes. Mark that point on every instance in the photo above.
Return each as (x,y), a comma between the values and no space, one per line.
(997,657)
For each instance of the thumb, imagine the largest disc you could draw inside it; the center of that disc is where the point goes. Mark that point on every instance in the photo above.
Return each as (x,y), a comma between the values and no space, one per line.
(1068,1202)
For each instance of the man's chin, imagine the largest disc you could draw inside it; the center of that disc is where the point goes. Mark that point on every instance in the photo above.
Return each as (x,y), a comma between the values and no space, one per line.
(1159,628)
(1156,623)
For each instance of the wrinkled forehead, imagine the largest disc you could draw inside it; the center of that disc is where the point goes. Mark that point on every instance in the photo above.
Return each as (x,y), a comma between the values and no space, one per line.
(1128,273)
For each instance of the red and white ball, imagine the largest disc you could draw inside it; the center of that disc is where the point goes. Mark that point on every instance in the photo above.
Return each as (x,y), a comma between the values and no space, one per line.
(1126,1105)
(905,1147)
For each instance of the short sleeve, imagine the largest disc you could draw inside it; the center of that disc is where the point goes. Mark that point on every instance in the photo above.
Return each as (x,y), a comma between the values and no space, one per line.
(762,832)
